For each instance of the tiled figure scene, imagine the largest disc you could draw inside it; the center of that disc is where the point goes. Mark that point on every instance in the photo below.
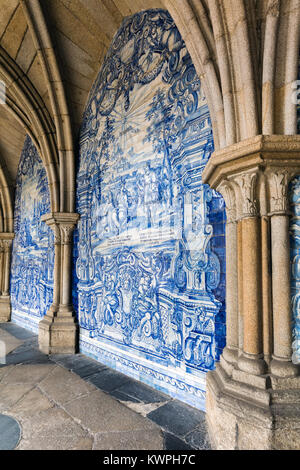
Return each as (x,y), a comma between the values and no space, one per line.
(295,254)
(149,251)
(33,250)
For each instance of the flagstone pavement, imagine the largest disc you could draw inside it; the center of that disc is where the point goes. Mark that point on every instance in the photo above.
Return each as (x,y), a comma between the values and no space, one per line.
(71,402)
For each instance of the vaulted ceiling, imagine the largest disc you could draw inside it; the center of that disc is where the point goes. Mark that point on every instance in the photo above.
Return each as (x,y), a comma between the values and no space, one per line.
(246,54)
(81,32)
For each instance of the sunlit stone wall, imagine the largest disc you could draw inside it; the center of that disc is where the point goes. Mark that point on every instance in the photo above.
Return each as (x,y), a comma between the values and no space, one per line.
(149,255)
(33,251)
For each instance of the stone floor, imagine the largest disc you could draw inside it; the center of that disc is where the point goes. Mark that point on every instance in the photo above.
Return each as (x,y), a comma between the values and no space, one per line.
(73,402)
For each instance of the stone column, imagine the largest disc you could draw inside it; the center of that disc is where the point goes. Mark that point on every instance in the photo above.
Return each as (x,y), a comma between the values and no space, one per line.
(230,352)
(1,266)
(281,364)
(251,360)
(58,331)
(5,257)
(253,403)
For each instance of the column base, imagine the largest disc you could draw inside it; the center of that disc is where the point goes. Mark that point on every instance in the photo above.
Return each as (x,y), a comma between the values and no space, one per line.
(5,308)
(58,332)
(252,413)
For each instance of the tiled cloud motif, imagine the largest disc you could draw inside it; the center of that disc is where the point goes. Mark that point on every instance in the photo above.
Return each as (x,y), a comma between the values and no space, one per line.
(295,254)
(149,256)
(33,249)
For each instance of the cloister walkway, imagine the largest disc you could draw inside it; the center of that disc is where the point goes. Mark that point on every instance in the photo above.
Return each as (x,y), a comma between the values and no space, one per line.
(66,402)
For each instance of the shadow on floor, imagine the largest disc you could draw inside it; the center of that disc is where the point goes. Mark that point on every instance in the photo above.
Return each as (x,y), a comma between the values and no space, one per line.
(183,427)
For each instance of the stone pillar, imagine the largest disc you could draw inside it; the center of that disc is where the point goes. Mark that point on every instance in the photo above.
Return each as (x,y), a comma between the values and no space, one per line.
(253,402)
(5,257)
(230,353)
(281,364)
(58,331)
(251,358)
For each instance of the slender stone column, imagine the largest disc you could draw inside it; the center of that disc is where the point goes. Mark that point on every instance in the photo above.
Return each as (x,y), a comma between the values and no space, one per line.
(6,275)
(57,262)
(58,331)
(230,352)
(5,307)
(267,326)
(281,364)
(251,359)
(1,266)
(66,238)
(253,403)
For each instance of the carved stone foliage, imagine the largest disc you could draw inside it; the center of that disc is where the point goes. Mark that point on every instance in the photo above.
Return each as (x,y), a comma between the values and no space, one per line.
(228,194)
(278,187)
(33,250)
(145,270)
(66,233)
(247,183)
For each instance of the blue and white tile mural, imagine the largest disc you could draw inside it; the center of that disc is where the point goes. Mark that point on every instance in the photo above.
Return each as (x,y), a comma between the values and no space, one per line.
(31,284)
(149,251)
(294,192)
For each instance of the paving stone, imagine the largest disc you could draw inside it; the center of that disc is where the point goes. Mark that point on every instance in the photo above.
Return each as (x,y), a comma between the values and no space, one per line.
(17,331)
(99,412)
(11,343)
(108,380)
(66,360)
(27,345)
(28,374)
(88,370)
(198,439)
(62,386)
(10,394)
(31,404)
(53,429)
(35,387)
(129,440)
(81,365)
(31,356)
(5,371)
(10,433)
(122,397)
(177,417)
(142,393)
(174,443)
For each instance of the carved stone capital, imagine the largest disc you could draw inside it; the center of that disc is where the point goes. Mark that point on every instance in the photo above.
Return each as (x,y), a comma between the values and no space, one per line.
(7,236)
(6,245)
(66,233)
(278,181)
(228,194)
(247,183)
(62,224)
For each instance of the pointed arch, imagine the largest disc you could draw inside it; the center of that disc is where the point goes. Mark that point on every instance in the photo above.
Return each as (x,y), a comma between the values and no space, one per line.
(26,105)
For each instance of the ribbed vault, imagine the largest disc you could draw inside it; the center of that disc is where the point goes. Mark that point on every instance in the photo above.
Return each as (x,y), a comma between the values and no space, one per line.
(245,52)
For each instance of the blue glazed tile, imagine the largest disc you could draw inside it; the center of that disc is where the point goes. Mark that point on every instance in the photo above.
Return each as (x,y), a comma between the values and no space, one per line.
(31,282)
(149,250)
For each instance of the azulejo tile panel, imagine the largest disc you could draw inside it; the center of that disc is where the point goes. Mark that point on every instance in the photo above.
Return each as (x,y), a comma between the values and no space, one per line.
(298,107)
(294,192)
(149,250)
(31,283)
